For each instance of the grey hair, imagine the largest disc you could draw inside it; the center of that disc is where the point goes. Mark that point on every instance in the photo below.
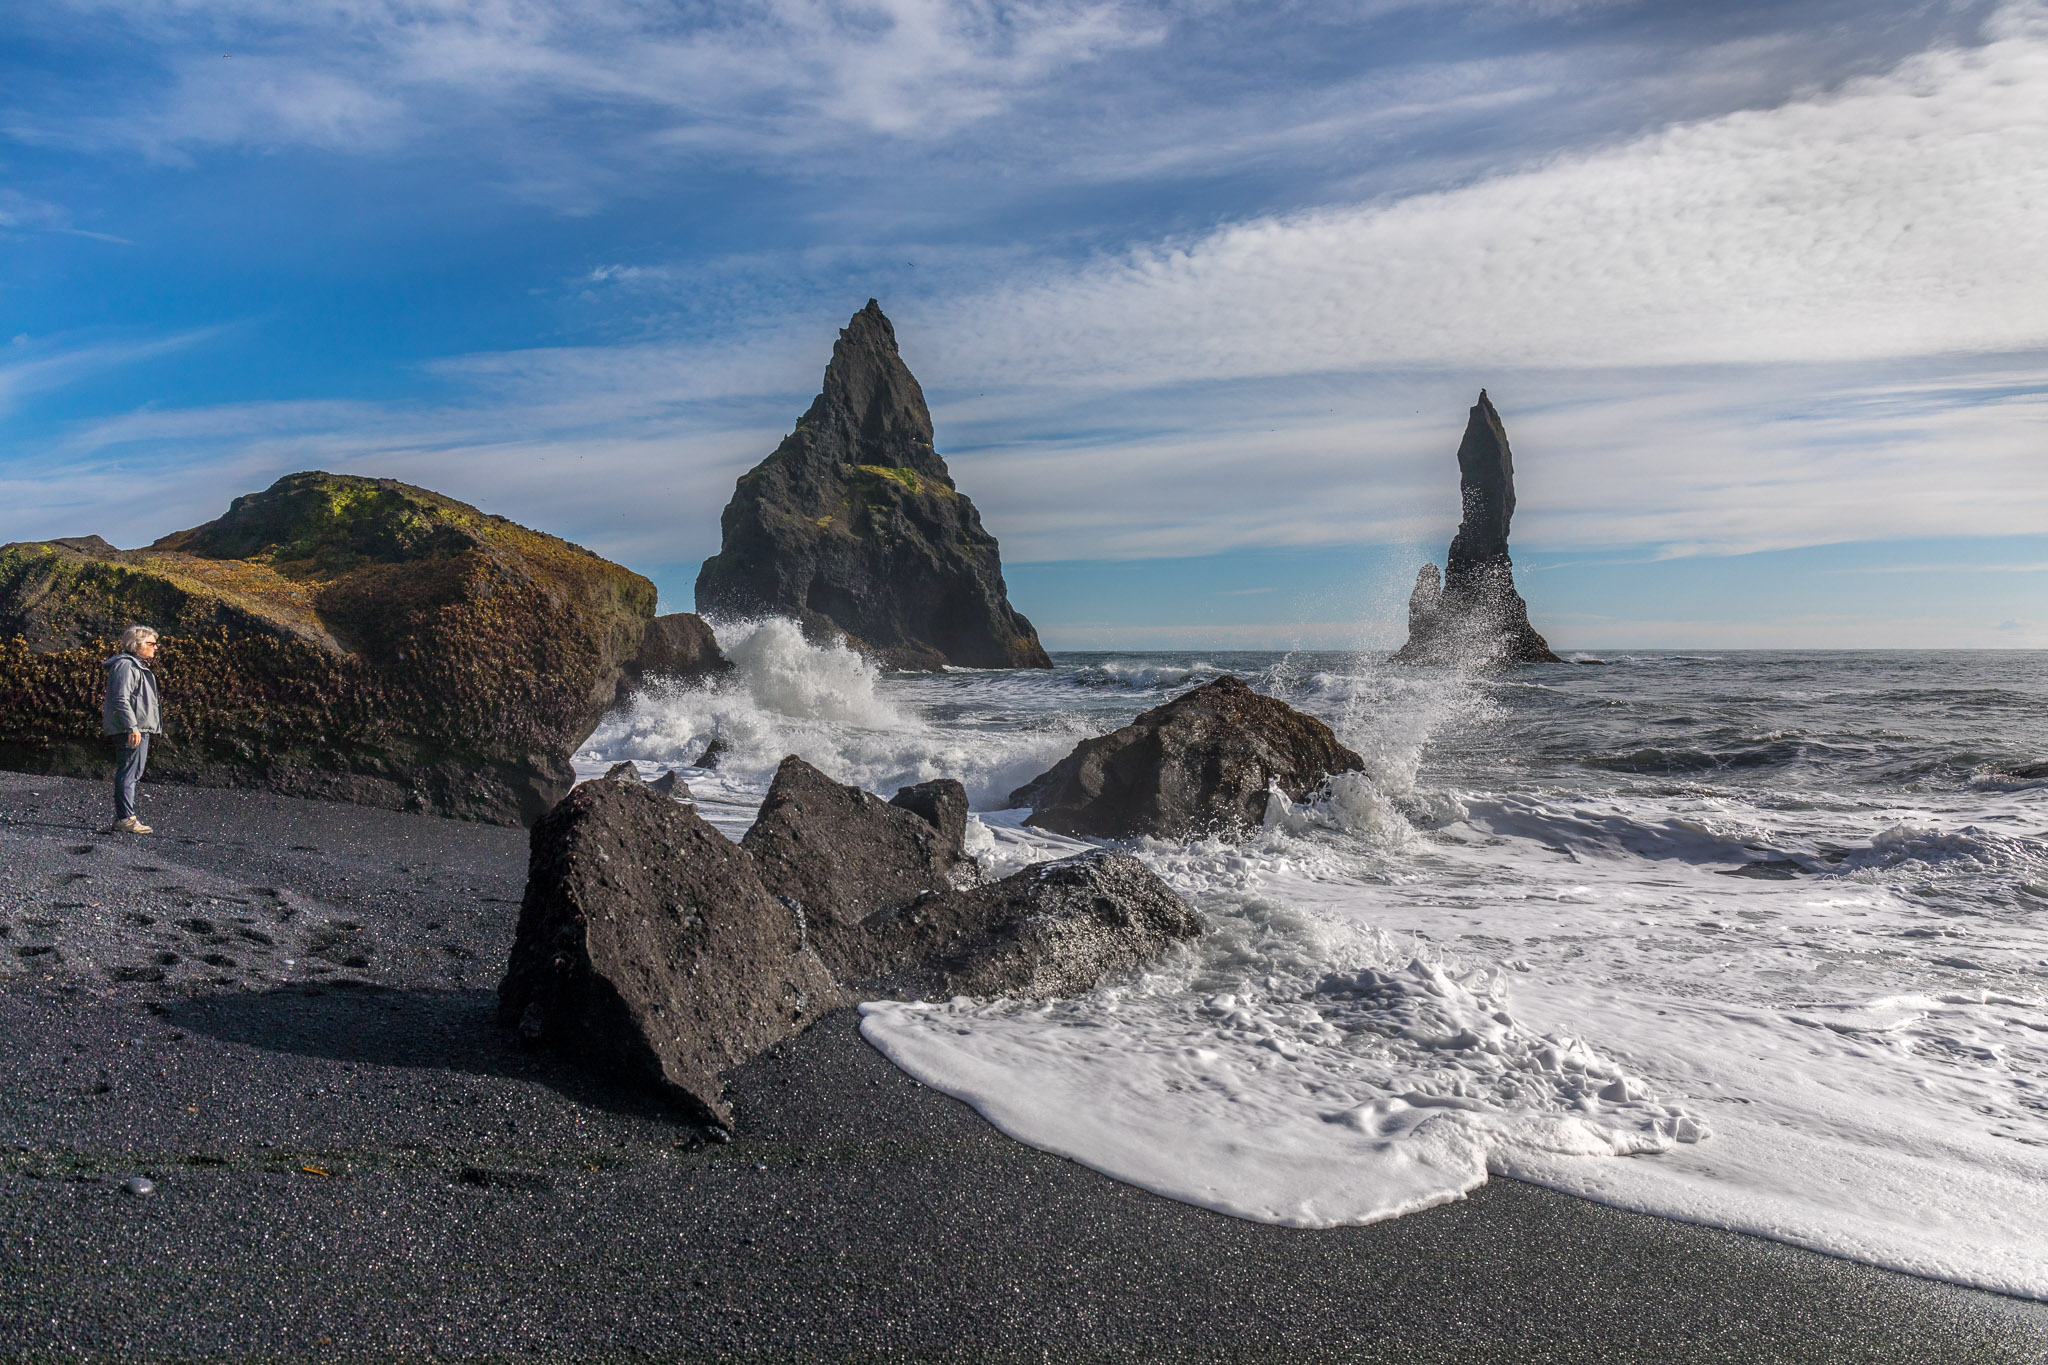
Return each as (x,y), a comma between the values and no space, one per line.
(135,637)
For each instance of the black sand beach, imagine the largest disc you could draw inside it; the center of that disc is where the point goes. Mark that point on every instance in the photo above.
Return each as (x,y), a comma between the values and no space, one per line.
(349,1164)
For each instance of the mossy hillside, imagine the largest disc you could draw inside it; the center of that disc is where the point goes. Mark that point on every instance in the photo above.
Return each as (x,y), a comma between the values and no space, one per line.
(373,641)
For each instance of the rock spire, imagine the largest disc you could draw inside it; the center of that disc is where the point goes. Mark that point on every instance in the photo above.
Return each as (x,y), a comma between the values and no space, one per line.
(1472,614)
(854,528)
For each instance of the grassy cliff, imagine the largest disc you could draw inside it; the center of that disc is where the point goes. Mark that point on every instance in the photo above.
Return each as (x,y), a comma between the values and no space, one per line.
(335,636)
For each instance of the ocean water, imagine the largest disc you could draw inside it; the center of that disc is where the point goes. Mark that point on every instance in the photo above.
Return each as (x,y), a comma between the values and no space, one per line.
(1758,940)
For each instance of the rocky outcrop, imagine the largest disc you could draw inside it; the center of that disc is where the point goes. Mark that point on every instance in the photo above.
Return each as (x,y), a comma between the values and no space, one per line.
(853,527)
(346,638)
(843,855)
(678,647)
(1052,929)
(1202,764)
(654,949)
(1472,615)
(649,949)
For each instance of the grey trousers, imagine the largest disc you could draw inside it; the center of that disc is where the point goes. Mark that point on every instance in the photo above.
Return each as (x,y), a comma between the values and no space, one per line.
(128,766)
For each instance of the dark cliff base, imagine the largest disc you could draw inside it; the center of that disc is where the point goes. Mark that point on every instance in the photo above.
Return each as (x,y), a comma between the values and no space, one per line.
(479,1202)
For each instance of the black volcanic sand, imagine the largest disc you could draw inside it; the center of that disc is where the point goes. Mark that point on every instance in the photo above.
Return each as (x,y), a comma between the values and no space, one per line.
(366,1171)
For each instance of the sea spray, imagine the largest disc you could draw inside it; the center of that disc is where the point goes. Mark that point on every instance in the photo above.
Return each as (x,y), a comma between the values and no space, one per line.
(825,703)
(1822,938)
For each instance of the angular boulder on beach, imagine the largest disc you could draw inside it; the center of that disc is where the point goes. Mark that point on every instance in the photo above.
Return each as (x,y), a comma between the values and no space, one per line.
(853,527)
(337,637)
(843,855)
(649,949)
(1053,929)
(1202,764)
(678,647)
(1471,614)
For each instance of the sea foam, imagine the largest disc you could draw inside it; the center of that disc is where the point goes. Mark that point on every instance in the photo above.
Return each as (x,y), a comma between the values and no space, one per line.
(1496,950)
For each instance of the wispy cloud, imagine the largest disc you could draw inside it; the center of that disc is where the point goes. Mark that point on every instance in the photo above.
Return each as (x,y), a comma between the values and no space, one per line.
(266,73)
(1898,216)
(21,213)
(30,365)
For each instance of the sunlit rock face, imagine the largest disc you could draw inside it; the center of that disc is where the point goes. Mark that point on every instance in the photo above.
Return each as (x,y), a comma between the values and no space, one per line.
(336,637)
(1472,615)
(853,527)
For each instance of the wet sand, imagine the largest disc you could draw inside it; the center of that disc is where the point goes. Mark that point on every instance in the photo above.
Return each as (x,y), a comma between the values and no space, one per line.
(351,1164)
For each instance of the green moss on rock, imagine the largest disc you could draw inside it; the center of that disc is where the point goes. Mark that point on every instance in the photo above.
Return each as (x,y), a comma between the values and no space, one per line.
(333,636)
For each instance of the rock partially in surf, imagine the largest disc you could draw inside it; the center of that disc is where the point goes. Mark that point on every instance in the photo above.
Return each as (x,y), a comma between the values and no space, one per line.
(671,784)
(678,647)
(649,949)
(843,855)
(1202,764)
(853,527)
(1053,929)
(713,752)
(1472,615)
(336,637)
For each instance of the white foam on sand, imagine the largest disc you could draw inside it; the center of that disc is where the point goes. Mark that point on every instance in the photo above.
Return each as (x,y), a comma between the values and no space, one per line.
(1407,988)
(1383,1014)
(1255,1078)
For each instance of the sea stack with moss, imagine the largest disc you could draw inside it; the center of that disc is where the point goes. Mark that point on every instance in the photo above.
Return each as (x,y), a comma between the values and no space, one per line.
(1472,615)
(853,527)
(347,638)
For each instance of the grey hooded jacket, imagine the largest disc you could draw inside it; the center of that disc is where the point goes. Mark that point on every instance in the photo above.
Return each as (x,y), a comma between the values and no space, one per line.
(131,697)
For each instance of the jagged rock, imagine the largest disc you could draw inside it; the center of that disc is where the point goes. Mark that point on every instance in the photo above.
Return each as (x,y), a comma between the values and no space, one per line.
(1052,929)
(671,784)
(713,752)
(1473,615)
(853,527)
(843,855)
(338,637)
(1201,764)
(678,647)
(941,803)
(648,947)
(877,885)
(627,771)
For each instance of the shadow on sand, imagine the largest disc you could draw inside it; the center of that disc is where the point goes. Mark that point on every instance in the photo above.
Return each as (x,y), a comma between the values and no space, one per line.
(438,1030)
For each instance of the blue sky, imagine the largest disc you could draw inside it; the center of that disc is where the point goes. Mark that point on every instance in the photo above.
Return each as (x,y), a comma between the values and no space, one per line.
(1199,291)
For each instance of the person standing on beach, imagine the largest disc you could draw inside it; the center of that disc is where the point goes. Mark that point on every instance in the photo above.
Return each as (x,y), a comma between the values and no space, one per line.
(131,715)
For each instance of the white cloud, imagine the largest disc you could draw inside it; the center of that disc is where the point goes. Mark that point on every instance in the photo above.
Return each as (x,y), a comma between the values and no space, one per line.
(1901,215)
(768,73)
(1753,331)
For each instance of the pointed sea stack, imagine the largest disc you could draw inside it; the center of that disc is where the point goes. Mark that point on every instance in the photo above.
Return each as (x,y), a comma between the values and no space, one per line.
(1473,615)
(853,527)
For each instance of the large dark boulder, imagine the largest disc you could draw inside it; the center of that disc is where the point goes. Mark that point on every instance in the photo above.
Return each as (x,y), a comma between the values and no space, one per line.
(1201,764)
(853,527)
(843,855)
(1472,615)
(678,647)
(1053,929)
(346,638)
(879,885)
(649,949)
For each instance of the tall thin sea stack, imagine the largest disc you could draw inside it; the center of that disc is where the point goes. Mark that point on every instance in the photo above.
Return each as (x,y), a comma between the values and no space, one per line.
(853,527)
(1472,615)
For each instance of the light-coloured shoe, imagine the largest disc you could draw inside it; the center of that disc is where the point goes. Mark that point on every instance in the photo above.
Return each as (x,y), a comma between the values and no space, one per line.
(131,825)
